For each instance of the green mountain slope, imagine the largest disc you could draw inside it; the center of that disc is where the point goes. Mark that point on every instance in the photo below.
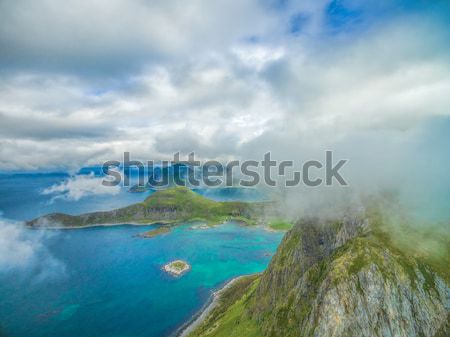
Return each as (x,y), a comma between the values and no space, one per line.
(173,205)
(341,278)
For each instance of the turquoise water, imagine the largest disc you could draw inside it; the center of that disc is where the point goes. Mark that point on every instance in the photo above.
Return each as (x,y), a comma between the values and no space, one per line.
(106,281)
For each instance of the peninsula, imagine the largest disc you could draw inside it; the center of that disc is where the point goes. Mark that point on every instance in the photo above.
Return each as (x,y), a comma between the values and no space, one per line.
(171,206)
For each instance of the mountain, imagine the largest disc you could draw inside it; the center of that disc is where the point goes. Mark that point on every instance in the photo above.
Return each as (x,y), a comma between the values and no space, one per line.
(337,278)
(174,205)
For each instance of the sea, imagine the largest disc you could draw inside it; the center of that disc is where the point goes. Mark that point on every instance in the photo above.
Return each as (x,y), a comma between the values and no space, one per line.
(108,281)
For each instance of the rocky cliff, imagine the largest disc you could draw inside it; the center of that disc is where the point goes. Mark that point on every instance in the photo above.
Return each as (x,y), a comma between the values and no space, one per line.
(338,278)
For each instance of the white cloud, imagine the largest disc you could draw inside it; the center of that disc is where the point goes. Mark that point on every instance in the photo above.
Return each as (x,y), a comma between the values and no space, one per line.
(24,250)
(115,35)
(213,88)
(258,56)
(80,186)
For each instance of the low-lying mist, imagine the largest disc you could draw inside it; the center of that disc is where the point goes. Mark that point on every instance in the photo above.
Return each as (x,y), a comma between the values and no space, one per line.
(25,253)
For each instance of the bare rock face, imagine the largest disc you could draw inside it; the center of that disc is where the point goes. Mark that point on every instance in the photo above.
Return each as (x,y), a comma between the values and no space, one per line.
(336,279)
(379,299)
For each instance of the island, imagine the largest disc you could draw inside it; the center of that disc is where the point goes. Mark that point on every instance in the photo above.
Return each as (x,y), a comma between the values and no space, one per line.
(168,207)
(177,268)
(155,232)
(139,189)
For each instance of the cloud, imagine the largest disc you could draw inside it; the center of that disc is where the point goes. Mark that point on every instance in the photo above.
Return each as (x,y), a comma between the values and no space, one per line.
(23,250)
(117,36)
(233,102)
(257,56)
(48,127)
(80,186)
(226,80)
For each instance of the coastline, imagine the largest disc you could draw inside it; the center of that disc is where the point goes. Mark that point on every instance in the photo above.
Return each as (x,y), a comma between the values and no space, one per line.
(105,225)
(164,223)
(203,313)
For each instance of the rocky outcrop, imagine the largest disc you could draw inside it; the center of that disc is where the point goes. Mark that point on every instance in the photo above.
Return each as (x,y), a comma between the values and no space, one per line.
(342,278)
(339,279)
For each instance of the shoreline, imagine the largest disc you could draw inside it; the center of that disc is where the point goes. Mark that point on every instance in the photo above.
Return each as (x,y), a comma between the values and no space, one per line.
(104,225)
(163,223)
(203,313)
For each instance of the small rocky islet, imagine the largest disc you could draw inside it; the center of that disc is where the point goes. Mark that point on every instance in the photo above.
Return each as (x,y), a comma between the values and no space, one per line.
(177,268)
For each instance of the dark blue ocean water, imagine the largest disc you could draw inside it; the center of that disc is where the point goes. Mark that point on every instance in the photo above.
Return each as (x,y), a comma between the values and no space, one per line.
(106,281)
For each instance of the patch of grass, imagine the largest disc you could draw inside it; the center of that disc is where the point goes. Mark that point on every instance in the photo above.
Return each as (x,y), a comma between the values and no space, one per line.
(155,232)
(358,263)
(376,250)
(289,243)
(428,243)
(230,317)
(429,278)
(281,225)
(178,265)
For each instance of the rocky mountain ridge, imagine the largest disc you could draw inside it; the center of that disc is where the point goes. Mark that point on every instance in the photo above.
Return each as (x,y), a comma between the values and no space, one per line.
(338,278)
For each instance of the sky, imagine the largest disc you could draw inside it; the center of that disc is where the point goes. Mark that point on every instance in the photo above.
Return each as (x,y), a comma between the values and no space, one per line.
(83,81)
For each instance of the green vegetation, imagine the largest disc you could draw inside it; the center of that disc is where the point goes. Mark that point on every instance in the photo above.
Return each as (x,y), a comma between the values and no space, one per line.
(230,317)
(171,206)
(281,225)
(155,232)
(365,251)
(285,300)
(189,205)
(428,244)
(179,265)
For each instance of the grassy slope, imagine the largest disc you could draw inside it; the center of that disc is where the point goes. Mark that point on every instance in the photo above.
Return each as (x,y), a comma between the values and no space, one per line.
(428,244)
(173,205)
(281,225)
(178,265)
(197,207)
(235,320)
(229,318)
